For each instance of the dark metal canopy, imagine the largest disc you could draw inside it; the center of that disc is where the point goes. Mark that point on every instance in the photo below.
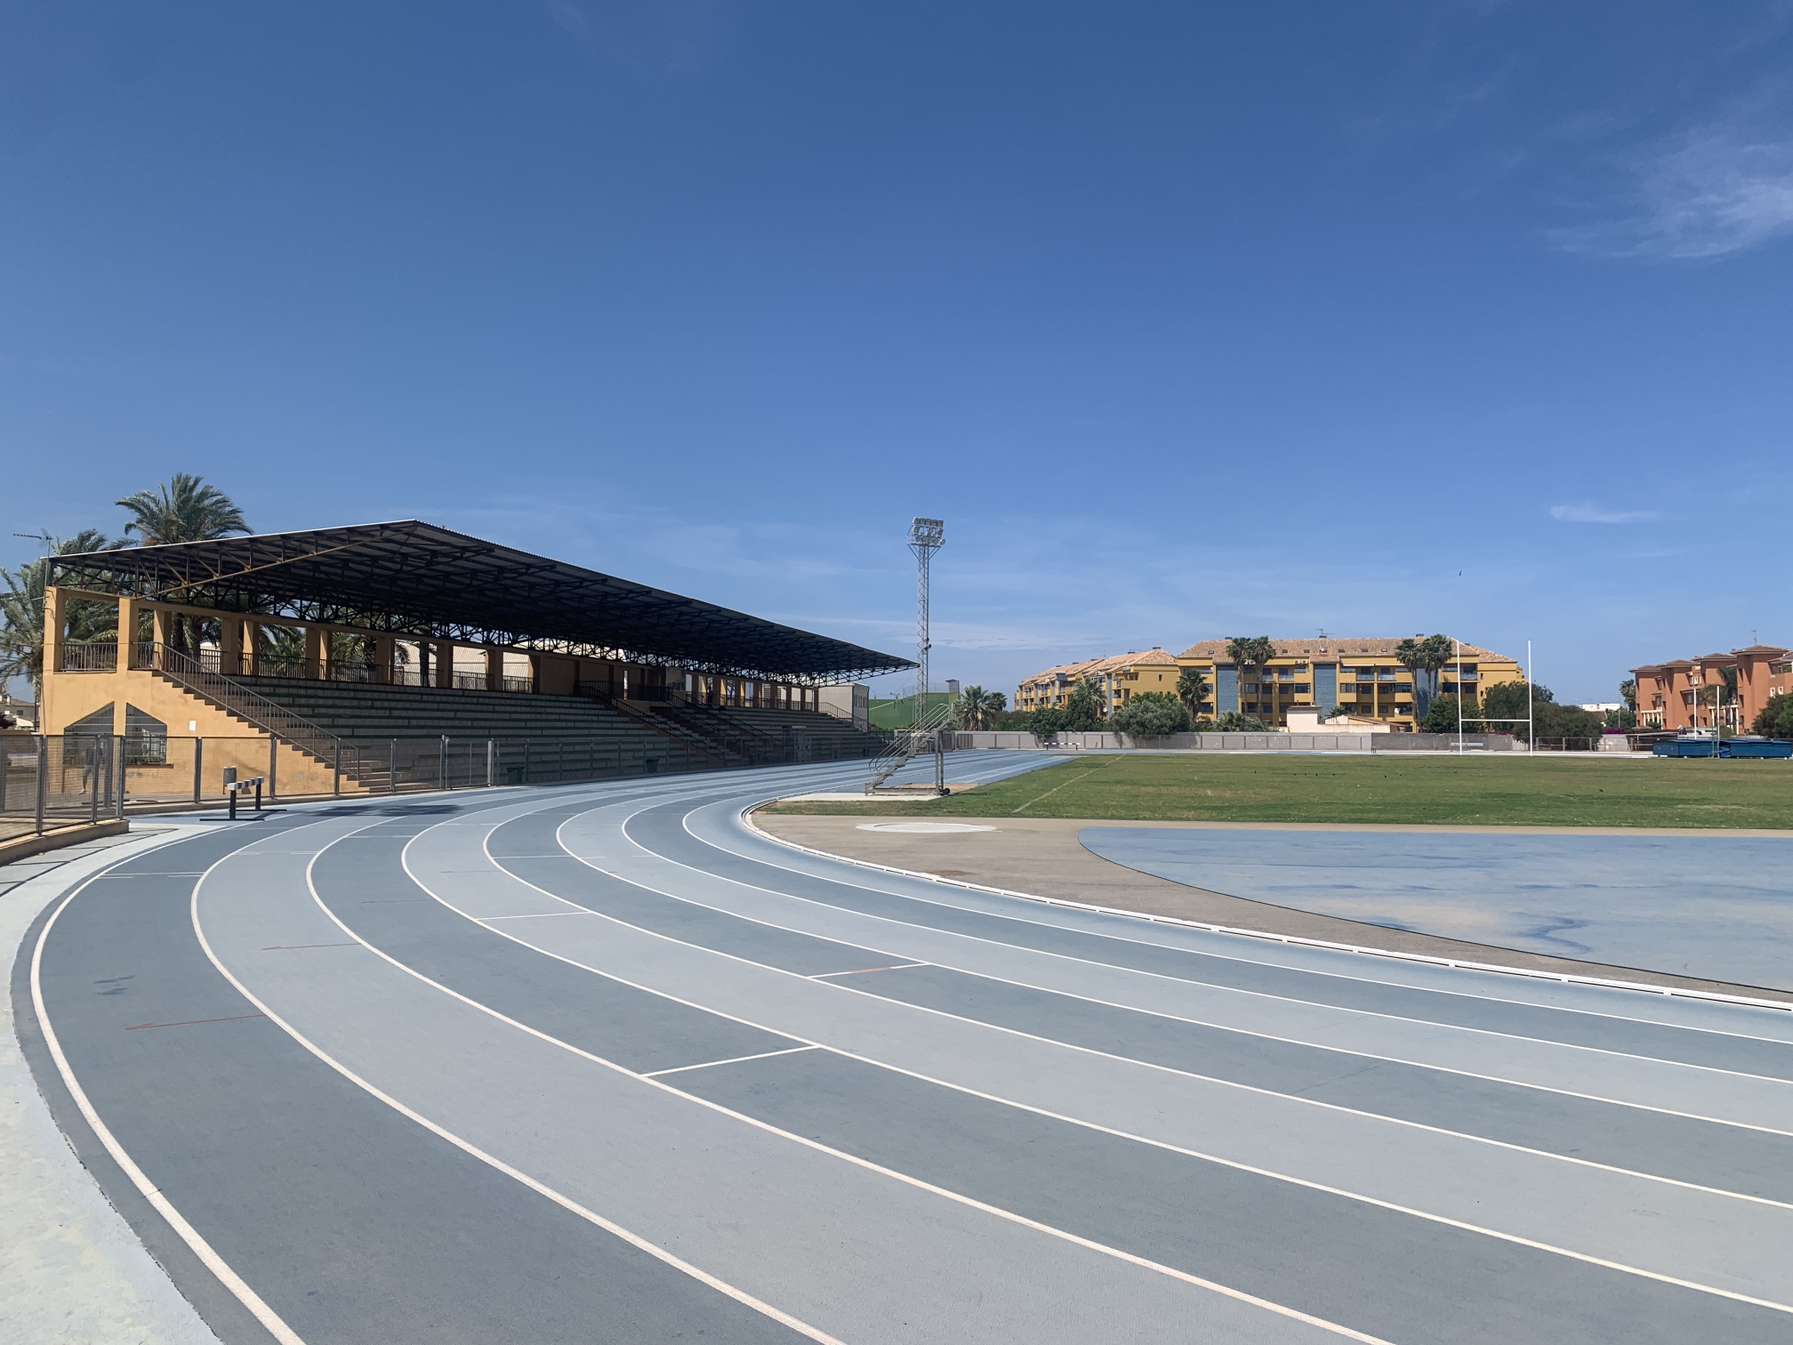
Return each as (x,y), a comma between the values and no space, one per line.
(416,579)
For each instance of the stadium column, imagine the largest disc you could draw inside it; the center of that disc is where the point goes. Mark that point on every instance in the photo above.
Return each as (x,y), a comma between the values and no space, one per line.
(317,652)
(129,610)
(444,663)
(385,651)
(55,623)
(230,646)
(494,667)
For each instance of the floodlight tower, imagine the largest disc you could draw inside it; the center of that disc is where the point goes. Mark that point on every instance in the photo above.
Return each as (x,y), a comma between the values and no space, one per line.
(926,536)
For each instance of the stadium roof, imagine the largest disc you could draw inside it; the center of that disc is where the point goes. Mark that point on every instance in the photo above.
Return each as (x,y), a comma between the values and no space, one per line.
(416,579)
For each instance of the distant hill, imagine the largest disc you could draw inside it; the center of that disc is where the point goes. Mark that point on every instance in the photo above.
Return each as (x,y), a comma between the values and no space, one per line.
(900,713)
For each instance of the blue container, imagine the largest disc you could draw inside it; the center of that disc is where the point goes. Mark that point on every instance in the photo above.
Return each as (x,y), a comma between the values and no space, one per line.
(1753,749)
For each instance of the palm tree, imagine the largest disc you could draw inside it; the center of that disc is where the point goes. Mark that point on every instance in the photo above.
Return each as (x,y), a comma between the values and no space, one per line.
(1251,654)
(1192,690)
(975,706)
(1424,656)
(22,612)
(185,509)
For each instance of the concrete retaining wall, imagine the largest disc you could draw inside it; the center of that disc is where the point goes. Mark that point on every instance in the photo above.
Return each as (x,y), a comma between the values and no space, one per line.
(1246,742)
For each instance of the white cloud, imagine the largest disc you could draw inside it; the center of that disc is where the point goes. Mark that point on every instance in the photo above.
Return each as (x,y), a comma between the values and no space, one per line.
(1707,193)
(1595,513)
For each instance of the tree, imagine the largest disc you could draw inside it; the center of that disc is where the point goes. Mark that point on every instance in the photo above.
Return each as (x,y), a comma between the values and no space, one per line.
(975,707)
(22,613)
(1775,720)
(1046,724)
(1152,714)
(185,509)
(1234,722)
(1251,654)
(1423,658)
(1506,700)
(1441,715)
(1192,689)
(1083,710)
(1628,693)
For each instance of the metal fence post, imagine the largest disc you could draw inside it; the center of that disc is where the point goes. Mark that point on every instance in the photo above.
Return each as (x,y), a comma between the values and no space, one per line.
(198,758)
(392,766)
(336,771)
(525,761)
(96,768)
(273,765)
(43,779)
(491,763)
(442,765)
(118,797)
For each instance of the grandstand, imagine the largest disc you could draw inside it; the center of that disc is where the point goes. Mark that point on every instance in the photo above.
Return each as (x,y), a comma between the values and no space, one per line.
(377,656)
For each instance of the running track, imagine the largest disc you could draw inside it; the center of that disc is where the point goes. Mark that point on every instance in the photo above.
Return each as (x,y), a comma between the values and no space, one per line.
(598,1063)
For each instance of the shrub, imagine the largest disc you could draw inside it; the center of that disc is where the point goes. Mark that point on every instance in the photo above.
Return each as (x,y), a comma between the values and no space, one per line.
(1152,715)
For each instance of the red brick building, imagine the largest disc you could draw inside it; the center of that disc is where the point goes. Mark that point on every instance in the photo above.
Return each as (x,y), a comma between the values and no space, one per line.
(1728,689)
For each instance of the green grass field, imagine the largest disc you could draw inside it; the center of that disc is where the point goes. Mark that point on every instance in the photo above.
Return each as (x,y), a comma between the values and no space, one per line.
(900,713)
(1437,790)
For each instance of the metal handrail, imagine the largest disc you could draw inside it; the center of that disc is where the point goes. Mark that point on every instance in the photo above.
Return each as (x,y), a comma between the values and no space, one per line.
(91,656)
(907,744)
(267,715)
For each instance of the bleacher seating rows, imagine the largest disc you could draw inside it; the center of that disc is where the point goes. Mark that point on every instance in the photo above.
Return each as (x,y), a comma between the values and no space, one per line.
(839,737)
(359,713)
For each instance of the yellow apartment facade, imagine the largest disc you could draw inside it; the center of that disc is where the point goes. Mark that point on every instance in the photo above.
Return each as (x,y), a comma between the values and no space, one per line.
(1361,677)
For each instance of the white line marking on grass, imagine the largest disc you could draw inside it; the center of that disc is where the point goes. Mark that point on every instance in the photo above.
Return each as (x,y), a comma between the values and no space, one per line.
(731,1060)
(1061,784)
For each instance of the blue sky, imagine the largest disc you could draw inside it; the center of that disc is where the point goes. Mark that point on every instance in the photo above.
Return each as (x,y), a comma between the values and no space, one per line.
(1190,320)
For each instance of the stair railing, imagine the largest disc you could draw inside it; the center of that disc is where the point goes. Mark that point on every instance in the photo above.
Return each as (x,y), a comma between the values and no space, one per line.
(908,744)
(269,716)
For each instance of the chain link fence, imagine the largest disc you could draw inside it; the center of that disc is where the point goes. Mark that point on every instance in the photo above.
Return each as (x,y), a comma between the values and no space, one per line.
(60,780)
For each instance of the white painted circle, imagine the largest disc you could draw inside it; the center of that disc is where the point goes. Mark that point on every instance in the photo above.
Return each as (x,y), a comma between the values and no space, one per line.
(923,828)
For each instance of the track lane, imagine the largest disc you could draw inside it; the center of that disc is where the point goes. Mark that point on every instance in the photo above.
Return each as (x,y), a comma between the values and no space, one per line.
(730,987)
(661,831)
(345,1218)
(740,993)
(726,827)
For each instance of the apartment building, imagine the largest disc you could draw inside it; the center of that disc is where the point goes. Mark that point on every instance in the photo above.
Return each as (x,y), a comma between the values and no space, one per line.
(1117,678)
(1727,690)
(1357,676)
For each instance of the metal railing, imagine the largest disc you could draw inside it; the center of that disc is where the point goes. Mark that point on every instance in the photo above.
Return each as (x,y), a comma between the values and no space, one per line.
(908,744)
(96,656)
(49,782)
(268,715)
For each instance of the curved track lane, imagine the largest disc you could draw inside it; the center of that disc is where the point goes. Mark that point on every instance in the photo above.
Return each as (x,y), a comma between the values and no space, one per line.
(603,1062)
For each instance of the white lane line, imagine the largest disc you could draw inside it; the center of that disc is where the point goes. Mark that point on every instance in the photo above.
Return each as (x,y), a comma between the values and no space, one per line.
(861,971)
(208,1255)
(1356,1052)
(1445,1220)
(536,915)
(1226,1291)
(731,1060)
(1140,971)
(1737,1003)
(1209,1078)
(466,1146)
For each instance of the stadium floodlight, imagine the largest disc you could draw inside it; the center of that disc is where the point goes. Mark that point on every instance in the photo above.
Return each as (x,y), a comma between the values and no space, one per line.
(928,532)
